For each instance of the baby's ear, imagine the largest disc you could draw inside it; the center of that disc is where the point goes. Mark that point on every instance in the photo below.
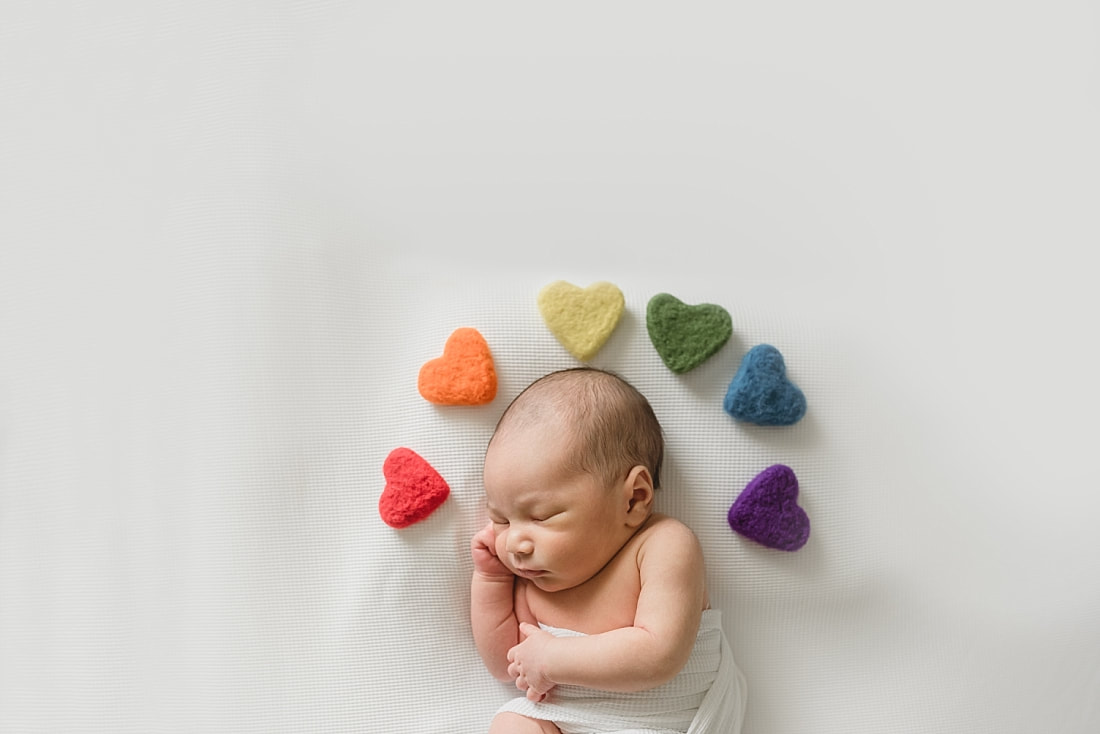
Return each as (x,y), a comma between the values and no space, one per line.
(638,488)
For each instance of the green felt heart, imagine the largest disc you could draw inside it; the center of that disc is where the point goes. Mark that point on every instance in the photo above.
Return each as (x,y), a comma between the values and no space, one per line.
(686,336)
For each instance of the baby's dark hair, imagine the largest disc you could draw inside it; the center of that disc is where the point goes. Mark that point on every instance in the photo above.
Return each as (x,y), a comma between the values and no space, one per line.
(616,428)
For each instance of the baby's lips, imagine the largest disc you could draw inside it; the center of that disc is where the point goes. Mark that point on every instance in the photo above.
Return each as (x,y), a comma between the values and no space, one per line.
(529,573)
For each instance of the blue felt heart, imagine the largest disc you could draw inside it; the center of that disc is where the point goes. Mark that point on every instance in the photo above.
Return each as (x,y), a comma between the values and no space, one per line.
(760,392)
(767,510)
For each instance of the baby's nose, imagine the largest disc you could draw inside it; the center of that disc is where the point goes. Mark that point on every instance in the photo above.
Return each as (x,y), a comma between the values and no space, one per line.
(519,544)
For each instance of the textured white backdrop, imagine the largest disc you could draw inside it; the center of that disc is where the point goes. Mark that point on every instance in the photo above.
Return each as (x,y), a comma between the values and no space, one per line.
(230,233)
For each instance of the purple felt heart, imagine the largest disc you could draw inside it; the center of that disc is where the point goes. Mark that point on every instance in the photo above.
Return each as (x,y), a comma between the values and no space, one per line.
(767,510)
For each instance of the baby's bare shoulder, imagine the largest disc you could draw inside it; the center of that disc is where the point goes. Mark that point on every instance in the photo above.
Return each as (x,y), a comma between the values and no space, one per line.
(671,567)
(667,535)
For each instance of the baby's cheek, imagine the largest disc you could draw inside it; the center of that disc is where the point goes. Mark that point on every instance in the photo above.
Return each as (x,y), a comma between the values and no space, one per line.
(502,547)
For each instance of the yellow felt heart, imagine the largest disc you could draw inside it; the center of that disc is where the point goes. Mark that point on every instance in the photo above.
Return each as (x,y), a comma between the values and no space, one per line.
(581,319)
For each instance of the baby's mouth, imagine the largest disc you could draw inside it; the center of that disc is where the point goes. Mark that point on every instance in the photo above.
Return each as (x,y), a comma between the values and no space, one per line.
(528,573)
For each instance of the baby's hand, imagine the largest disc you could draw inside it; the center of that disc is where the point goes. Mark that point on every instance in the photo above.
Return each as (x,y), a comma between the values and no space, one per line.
(527,662)
(483,549)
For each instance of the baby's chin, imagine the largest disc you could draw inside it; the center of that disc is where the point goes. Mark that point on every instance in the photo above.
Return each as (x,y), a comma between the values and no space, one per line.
(547,582)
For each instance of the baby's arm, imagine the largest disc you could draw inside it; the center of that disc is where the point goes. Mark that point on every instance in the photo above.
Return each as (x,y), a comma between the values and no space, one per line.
(645,655)
(492,605)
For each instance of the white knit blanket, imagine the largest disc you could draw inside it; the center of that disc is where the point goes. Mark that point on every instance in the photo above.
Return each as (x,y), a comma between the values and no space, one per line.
(706,697)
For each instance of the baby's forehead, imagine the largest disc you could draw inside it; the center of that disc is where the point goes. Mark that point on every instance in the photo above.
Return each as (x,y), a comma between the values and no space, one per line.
(530,433)
(560,406)
(534,414)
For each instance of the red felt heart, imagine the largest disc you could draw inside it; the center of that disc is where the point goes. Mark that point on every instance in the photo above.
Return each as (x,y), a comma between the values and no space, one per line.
(414,489)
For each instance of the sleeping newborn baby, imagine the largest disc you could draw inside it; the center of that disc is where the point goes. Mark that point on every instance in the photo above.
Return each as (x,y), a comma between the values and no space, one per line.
(594,605)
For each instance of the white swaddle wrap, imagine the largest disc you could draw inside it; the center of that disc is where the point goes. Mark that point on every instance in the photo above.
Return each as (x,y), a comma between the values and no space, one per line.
(706,697)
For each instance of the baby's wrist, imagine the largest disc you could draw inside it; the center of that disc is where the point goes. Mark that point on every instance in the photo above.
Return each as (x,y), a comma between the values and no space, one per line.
(497,577)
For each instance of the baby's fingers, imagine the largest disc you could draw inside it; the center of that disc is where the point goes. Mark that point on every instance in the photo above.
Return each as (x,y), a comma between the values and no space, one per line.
(484,540)
(532,694)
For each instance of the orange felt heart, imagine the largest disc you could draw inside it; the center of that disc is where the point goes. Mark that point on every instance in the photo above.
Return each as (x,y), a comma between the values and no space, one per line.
(414,489)
(464,375)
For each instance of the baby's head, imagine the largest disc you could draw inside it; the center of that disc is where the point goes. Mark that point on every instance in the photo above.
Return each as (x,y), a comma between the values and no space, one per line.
(570,474)
(611,426)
